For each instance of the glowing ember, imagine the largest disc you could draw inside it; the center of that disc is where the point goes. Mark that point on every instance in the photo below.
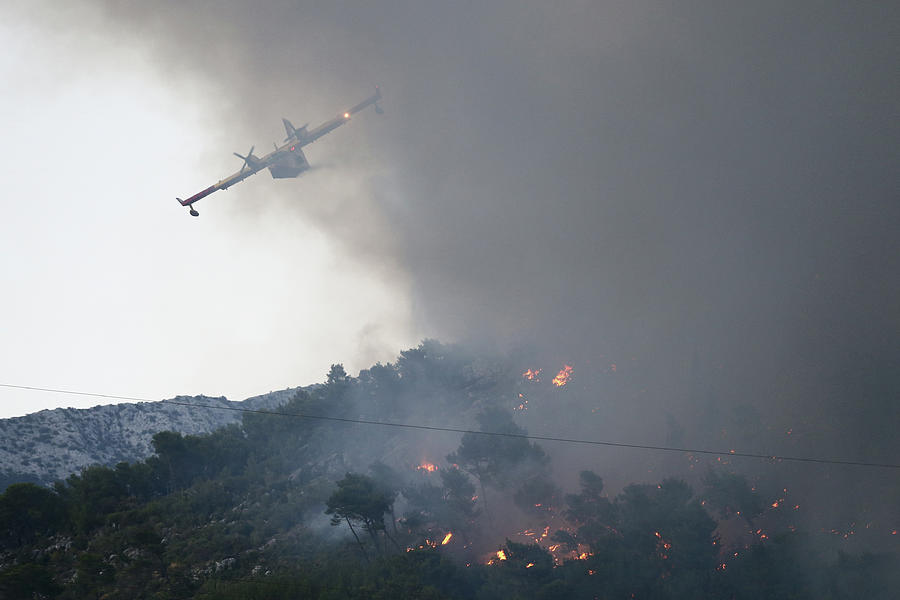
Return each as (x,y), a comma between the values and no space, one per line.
(447,538)
(662,546)
(501,554)
(427,466)
(529,565)
(532,375)
(562,378)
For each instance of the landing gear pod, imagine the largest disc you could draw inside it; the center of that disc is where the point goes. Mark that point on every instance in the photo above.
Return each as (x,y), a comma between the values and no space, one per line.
(194,212)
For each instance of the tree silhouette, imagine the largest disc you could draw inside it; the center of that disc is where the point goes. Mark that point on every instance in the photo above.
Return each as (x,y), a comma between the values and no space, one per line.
(498,460)
(27,510)
(359,499)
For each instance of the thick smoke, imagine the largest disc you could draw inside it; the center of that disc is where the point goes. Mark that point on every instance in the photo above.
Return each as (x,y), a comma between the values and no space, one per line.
(702,194)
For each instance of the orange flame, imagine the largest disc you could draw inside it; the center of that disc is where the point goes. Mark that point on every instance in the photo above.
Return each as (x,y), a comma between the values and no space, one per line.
(529,565)
(501,554)
(447,538)
(532,375)
(427,466)
(562,378)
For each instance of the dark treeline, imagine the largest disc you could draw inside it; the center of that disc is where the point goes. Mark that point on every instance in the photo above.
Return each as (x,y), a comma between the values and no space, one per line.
(244,512)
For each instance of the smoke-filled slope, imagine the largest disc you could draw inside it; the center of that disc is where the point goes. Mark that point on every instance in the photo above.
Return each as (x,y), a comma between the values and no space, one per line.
(245,511)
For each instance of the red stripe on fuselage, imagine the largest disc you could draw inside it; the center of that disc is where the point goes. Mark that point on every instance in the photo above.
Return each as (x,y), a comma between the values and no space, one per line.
(198,196)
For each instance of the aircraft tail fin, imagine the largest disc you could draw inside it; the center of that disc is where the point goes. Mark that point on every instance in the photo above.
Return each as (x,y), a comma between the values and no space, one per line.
(293,132)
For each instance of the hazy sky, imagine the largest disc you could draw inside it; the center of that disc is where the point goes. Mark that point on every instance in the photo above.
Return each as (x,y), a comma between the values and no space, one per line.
(628,181)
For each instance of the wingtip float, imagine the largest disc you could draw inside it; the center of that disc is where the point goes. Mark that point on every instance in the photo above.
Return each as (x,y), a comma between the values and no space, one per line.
(287,160)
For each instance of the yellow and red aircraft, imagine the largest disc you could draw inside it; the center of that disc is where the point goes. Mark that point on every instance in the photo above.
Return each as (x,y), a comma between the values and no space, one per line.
(286,161)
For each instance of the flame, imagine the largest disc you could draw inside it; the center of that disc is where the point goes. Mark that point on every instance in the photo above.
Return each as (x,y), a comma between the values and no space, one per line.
(532,375)
(529,565)
(447,538)
(427,466)
(426,544)
(501,554)
(662,546)
(562,378)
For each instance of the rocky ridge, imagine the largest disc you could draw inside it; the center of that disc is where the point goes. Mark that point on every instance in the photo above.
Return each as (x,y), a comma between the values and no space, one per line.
(49,445)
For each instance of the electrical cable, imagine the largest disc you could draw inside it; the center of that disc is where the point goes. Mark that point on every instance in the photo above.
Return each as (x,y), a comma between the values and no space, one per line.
(543,438)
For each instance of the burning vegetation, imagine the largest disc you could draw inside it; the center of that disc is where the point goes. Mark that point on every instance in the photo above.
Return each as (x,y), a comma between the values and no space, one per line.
(532,375)
(485,507)
(562,378)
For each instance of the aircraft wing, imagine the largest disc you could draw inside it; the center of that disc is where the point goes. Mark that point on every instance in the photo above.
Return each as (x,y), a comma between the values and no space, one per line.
(226,183)
(329,126)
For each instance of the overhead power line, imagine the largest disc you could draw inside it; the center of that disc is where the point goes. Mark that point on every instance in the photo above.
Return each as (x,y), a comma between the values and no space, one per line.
(527,436)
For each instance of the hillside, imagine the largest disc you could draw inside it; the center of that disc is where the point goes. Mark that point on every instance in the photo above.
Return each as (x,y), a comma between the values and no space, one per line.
(50,445)
(322,500)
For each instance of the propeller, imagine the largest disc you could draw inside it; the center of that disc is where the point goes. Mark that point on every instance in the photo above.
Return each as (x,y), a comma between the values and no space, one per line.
(247,158)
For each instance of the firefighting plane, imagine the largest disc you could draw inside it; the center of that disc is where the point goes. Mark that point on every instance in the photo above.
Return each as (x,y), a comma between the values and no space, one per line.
(287,160)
